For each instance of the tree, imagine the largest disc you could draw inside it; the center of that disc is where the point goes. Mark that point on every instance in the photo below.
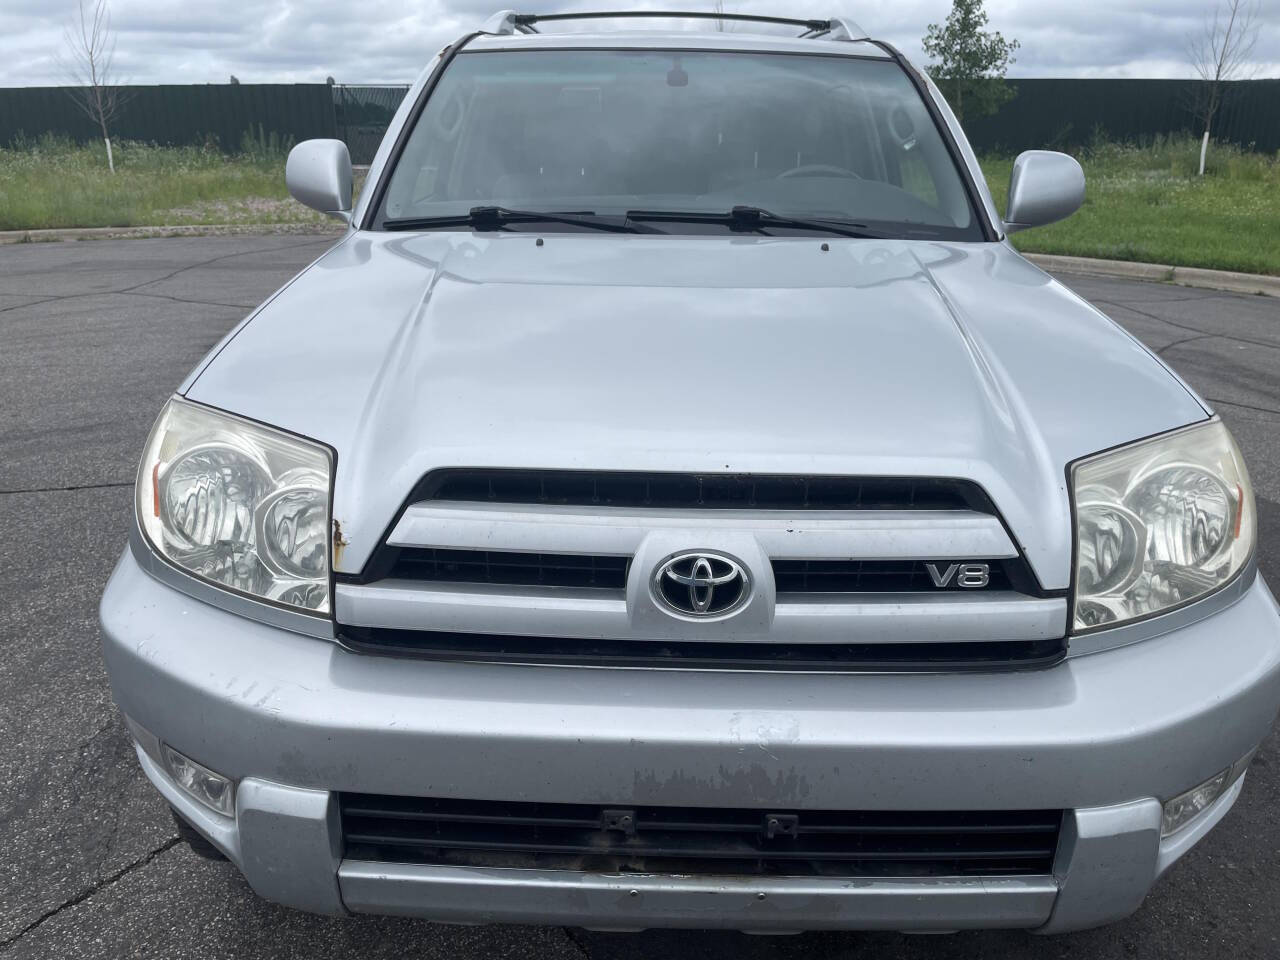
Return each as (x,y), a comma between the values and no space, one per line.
(970,61)
(1220,53)
(91,46)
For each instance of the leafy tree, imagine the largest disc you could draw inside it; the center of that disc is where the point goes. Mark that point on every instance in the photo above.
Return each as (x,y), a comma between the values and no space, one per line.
(970,61)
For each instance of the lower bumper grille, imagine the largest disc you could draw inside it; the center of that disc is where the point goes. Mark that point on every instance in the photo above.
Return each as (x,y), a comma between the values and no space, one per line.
(699,841)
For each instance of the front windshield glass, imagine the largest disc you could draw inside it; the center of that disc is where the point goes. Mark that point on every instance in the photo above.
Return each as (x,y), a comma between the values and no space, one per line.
(606,132)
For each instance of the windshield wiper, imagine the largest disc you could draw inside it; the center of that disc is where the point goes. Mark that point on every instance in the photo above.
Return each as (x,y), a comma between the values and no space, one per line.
(495,218)
(752,219)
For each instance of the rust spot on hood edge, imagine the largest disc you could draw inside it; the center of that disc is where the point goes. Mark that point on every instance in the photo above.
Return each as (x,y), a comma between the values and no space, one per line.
(339,541)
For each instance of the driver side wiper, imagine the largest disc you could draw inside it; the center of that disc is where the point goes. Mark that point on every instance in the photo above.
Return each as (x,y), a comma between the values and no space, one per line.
(495,218)
(751,219)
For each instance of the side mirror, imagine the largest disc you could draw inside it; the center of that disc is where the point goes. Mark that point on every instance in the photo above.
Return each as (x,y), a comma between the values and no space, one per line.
(1045,187)
(318,174)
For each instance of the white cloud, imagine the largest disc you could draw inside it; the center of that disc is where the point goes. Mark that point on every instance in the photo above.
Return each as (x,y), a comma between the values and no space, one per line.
(175,41)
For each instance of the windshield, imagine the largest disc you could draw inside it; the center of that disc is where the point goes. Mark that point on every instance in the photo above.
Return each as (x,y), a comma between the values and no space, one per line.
(606,132)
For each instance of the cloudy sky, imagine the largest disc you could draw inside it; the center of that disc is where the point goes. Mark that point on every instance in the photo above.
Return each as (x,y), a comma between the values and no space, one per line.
(180,41)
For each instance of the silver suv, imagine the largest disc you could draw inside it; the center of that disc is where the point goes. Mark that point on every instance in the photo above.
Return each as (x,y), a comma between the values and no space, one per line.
(673,503)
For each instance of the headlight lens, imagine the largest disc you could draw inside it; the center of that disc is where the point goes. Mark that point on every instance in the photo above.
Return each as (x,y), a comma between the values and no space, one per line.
(242,506)
(1159,523)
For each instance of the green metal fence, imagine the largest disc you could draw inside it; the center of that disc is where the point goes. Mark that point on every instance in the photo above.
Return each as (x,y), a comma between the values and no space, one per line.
(1043,114)
(218,114)
(1057,114)
(362,115)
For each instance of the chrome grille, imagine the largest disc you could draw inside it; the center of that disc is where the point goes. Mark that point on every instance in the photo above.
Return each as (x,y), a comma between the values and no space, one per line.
(558,567)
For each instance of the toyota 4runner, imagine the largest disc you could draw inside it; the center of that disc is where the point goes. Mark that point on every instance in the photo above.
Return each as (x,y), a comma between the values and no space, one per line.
(673,502)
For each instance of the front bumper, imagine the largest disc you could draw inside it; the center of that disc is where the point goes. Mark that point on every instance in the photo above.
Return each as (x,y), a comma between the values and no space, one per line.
(295,719)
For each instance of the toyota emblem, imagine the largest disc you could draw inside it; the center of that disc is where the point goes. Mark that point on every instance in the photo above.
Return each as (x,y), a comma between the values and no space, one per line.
(701,585)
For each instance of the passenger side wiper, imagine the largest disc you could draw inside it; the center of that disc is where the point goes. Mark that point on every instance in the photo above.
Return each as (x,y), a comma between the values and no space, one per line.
(751,219)
(495,218)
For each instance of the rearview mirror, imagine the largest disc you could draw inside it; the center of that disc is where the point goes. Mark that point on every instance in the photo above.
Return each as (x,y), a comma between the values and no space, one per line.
(1045,187)
(318,174)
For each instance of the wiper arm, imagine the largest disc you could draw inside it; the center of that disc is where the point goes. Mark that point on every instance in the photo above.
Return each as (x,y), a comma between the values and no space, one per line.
(751,219)
(495,218)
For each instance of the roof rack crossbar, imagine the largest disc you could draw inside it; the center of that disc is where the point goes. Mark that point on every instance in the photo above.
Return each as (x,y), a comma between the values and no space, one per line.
(529,19)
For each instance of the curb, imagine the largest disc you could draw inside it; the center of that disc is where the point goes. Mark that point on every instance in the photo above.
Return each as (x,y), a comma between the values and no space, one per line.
(1227,280)
(186,230)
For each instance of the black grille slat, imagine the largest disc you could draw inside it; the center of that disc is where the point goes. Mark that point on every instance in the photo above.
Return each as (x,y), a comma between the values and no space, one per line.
(718,655)
(698,840)
(702,491)
(877,576)
(429,564)
(735,852)
(509,568)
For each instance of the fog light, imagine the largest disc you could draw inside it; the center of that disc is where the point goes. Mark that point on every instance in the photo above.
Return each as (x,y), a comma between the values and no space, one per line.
(200,783)
(1185,807)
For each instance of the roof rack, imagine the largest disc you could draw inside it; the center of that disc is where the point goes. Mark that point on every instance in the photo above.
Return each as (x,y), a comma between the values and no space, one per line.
(507,22)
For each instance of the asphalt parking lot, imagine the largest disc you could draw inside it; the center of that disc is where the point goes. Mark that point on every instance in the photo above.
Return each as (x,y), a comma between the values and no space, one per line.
(95,335)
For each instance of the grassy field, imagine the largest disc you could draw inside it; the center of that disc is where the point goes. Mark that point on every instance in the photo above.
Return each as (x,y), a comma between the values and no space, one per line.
(1147,204)
(51,183)
(1143,203)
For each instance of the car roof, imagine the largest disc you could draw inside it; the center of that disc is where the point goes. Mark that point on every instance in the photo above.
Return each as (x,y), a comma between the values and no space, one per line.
(692,39)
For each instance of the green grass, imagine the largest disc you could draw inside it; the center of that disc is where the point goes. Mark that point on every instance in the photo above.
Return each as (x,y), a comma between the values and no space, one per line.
(1146,203)
(52,183)
(1143,202)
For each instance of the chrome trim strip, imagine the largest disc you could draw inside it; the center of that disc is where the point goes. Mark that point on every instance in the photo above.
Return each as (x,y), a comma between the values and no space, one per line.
(482,608)
(950,617)
(782,535)
(602,614)
(626,902)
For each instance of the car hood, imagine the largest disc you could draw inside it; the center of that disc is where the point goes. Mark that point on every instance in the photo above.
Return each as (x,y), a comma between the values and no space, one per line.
(406,353)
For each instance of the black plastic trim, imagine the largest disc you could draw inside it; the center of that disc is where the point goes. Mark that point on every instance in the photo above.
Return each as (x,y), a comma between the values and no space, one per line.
(978,657)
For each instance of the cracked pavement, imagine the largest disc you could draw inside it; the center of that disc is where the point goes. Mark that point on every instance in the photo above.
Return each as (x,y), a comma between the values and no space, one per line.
(94,336)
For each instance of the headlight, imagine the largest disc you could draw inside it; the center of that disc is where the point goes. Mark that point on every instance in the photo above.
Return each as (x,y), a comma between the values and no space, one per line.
(1159,523)
(242,506)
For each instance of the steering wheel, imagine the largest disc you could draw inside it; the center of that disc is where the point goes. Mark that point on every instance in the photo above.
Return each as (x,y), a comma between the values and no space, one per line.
(819,170)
